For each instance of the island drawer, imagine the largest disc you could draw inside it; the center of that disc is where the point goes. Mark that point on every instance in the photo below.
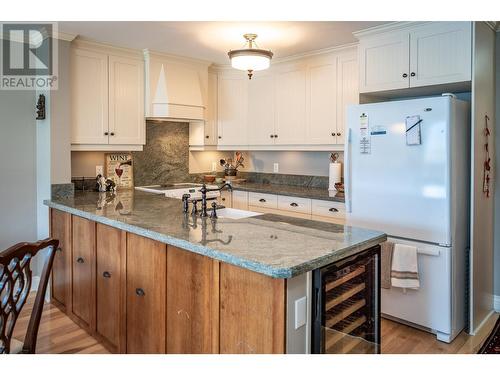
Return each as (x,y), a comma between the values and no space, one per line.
(294,204)
(328,208)
(263,200)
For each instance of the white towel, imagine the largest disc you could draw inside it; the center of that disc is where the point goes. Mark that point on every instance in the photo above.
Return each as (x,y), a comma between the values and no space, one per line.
(404,271)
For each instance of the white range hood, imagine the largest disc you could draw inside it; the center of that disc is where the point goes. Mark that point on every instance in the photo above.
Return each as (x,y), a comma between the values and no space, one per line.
(177,88)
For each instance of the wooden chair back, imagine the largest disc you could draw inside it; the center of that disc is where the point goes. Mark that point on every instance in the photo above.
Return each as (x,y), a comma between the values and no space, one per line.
(15,285)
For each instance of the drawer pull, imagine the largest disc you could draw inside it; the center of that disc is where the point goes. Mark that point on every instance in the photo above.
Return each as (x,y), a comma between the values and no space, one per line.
(140,292)
(80,260)
(262,200)
(293,204)
(333,209)
(106,274)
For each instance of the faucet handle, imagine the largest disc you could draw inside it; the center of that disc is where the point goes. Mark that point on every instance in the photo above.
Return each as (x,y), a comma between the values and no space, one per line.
(213,214)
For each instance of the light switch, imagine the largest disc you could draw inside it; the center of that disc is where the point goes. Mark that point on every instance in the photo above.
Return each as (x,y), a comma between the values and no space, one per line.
(300,312)
(276,168)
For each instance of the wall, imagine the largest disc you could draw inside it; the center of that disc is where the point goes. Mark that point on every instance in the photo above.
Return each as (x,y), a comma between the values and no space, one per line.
(60,113)
(18,190)
(497,191)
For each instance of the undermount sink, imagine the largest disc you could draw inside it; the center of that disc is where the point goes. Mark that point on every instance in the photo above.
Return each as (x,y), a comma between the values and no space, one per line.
(233,213)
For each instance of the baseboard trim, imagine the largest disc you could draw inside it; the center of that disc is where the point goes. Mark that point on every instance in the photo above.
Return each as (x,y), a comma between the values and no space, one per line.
(496,303)
(478,328)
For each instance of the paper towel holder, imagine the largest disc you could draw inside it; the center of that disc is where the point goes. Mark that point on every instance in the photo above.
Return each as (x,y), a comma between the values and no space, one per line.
(334,157)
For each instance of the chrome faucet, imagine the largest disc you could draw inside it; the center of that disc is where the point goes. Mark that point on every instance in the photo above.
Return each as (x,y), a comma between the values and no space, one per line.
(204,190)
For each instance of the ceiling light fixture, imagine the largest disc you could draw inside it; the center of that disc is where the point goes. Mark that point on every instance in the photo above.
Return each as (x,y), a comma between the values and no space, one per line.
(250,58)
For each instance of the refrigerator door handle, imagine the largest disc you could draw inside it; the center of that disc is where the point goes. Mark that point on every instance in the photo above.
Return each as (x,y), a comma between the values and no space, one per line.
(347,172)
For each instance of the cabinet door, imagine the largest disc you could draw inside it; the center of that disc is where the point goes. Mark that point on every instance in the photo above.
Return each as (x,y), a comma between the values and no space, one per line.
(240,200)
(440,52)
(210,128)
(83,260)
(261,110)
(322,103)
(225,199)
(89,96)
(146,295)
(110,259)
(384,62)
(291,107)
(60,228)
(126,101)
(347,91)
(232,110)
(252,312)
(191,309)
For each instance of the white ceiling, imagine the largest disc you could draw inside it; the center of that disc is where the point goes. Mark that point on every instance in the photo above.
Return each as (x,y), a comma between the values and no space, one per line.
(212,40)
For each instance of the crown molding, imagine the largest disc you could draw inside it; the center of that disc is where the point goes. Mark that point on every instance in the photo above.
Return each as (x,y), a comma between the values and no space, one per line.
(148,53)
(393,26)
(65,36)
(82,42)
(299,56)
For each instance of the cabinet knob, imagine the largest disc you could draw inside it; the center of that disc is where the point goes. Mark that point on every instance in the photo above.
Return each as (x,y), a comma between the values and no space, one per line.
(111,134)
(405,75)
(272,136)
(262,200)
(339,134)
(140,292)
(106,274)
(412,74)
(106,133)
(223,199)
(207,136)
(276,136)
(293,204)
(220,137)
(80,260)
(333,209)
(333,134)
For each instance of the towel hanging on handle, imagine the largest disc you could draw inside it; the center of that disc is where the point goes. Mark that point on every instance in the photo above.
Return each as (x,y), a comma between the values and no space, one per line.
(404,271)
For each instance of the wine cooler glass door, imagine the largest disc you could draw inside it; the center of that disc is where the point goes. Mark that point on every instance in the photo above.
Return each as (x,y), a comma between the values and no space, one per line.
(347,306)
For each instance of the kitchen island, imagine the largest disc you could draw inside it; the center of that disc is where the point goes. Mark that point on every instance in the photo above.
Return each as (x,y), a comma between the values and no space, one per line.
(144,277)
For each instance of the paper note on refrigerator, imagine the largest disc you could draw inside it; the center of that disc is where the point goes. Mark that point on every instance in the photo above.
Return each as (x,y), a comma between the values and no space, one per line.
(413,130)
(364,135)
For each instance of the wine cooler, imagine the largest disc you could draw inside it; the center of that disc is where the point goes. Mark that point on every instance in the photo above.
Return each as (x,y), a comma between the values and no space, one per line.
(346,305)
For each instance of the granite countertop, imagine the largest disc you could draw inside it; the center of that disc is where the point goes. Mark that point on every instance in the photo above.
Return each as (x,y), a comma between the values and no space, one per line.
(290,190)
(274,245)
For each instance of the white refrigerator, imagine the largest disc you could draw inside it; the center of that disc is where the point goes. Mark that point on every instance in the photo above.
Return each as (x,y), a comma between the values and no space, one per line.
(407,174)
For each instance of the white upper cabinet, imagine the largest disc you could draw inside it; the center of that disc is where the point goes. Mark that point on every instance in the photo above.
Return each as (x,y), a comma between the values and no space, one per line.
(322,101)
(384,62)
(415,55)
(347,90)
(441,54)
(295,105)
(290,126)
(261,110)
(232,110)
(126,101)
(89,85)
(107,93)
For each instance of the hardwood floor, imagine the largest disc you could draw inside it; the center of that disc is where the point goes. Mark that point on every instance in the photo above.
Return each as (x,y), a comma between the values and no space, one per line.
(59,334)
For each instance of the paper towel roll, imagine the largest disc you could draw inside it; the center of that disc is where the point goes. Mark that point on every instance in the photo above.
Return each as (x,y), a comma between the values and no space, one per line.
(334,175)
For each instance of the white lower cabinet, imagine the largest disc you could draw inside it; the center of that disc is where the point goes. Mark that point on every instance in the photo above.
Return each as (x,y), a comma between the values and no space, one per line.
(305,208)
(240,200)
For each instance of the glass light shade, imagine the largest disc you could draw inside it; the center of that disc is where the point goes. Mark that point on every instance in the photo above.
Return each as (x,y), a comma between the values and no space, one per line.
(250,59)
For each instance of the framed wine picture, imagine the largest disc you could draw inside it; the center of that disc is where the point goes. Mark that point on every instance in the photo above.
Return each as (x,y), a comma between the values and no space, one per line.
(120,169)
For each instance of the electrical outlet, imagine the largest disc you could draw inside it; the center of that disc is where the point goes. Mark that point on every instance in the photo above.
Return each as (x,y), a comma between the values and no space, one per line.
(276,167)
(214,166)
(99,170)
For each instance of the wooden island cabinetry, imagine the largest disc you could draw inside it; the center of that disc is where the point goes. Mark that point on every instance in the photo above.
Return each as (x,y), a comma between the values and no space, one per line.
(137,295)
